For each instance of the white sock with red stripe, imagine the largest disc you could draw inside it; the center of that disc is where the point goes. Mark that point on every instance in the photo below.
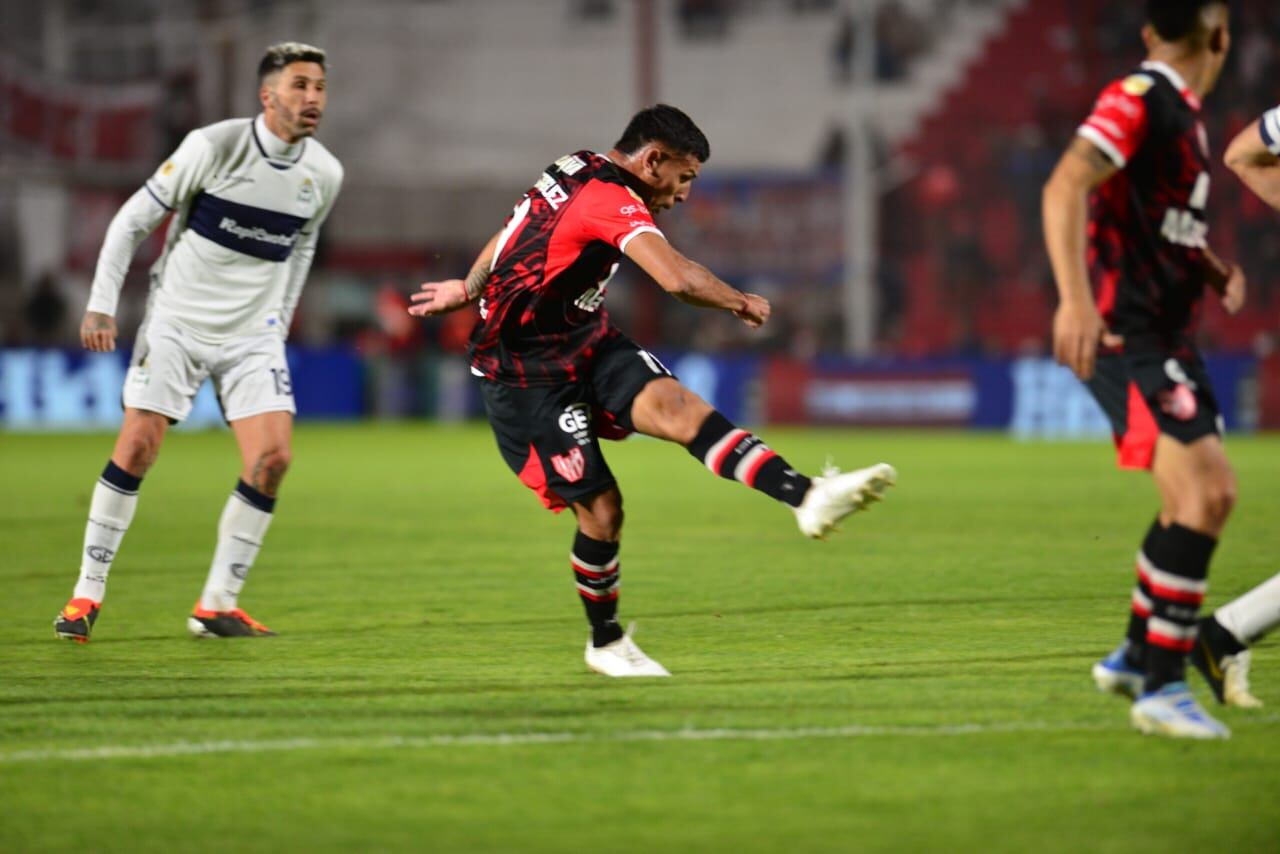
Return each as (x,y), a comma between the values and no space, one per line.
(737,454)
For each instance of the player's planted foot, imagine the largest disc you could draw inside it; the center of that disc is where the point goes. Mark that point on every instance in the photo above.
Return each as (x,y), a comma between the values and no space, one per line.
(1115,674)
(1226,670)
(225,624)
(834,495)
(622,658)
(1171,711)
(75,622)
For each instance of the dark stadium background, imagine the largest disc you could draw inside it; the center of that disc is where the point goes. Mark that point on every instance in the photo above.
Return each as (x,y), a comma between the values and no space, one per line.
(876,172)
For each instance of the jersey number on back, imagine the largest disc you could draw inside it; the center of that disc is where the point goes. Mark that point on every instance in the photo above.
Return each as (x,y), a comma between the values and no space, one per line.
(1187,227)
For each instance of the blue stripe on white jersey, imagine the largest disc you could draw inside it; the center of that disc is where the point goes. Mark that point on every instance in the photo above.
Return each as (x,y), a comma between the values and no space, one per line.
(259,232)
(1270,127)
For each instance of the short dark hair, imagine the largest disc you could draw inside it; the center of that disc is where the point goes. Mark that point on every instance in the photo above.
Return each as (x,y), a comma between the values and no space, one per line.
(1175,20)
(281,54)
(667,125)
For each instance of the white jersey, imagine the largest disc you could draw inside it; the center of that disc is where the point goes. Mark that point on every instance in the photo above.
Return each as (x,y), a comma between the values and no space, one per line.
(246,210)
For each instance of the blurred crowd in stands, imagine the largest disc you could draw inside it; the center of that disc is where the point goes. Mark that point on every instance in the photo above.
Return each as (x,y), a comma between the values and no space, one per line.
(962,267)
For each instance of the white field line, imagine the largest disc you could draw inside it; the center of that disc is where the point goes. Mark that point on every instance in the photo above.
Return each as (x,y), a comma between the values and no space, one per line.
(514,739)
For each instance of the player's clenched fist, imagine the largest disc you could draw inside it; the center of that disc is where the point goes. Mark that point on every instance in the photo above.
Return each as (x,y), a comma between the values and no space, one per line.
(755,312)
(98,332)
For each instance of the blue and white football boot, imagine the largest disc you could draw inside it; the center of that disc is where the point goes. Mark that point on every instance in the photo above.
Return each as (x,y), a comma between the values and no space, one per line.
(1171,711)
(1115,675)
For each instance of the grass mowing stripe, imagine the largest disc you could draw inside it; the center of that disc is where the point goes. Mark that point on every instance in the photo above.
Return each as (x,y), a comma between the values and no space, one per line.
(509,739)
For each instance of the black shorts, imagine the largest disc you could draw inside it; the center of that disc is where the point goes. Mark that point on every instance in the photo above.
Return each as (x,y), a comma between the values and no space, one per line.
(1152,392)
(550,435)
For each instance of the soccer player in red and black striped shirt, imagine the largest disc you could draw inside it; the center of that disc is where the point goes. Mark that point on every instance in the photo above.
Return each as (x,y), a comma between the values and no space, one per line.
(1222,651)
(1144,154)
(556,375)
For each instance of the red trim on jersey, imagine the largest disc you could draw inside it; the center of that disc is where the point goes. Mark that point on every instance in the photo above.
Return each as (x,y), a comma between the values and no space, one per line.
(1137,447)
(598,211)
(1108,284)
(1118,123)
(749,478)
(534,477)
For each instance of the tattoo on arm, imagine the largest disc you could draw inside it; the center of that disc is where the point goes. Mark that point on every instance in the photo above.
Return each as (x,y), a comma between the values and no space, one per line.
(475,280)
(1100,166)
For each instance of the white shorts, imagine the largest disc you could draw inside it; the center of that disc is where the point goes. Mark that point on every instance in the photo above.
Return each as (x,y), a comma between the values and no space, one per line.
(169,365)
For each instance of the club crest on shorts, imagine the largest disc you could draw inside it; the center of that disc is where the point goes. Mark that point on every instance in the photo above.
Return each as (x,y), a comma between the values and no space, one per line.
(1178,402)
(571,465)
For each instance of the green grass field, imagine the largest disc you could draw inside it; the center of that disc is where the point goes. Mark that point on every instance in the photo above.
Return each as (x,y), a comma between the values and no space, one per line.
(918,682)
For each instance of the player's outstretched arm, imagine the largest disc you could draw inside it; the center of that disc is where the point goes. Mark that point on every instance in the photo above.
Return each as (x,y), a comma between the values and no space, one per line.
(1256,163)
(452,294)
(1077,326)
(690,282)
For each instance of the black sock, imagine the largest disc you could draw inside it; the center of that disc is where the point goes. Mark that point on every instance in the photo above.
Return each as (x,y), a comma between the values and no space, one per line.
(1175,567)
(595,567)
(1140,602)
(736,454)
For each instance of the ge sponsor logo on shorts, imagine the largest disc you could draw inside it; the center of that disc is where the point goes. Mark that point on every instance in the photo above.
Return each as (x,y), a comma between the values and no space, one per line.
(576,421)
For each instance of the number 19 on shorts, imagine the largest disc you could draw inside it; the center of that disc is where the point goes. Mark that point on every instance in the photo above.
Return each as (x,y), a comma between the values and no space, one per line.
(280,376)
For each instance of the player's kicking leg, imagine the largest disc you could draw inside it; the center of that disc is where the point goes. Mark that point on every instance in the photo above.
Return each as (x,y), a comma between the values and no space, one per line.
(115,497)
(264,442)
(1197,488)
(668,410)
(1222,654)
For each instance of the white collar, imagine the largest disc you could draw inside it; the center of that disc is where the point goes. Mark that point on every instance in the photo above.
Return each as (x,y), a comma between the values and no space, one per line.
(273,146)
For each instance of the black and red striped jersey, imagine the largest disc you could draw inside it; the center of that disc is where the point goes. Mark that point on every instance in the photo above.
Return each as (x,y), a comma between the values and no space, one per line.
(1147,226)
(541,311)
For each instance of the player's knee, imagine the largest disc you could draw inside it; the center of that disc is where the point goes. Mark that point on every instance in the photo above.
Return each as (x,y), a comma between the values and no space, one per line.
(137,451)
(1219,500)
(679,412)
(270,468)
(603,521)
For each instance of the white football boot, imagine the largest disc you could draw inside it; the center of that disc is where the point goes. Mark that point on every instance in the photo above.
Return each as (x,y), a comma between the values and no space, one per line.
(834,495)
(622,658)
(1235,680)
(1173,712)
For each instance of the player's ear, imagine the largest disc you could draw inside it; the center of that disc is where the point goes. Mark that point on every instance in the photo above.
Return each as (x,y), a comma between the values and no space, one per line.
(652,159)
(1219,40)
(1149,37)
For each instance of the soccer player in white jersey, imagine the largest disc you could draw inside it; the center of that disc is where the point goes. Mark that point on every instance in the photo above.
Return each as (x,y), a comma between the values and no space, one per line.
(1221,652)
(247,198)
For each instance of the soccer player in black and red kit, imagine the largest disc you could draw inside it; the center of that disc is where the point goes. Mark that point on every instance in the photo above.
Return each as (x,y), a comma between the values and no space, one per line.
(1144,153)
(556,375)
